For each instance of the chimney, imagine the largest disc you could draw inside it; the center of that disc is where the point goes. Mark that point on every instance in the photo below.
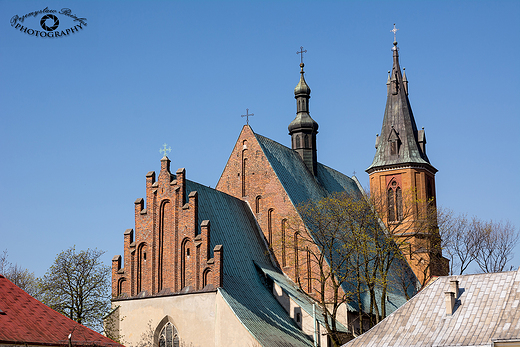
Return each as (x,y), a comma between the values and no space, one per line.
(450,303)
(454,287)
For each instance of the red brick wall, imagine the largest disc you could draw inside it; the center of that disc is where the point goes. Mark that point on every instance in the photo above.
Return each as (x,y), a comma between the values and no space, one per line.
(271,205)
(165,251)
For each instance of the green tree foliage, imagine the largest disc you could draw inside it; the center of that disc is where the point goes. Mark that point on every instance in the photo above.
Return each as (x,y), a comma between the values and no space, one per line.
(351,256)
(78,286)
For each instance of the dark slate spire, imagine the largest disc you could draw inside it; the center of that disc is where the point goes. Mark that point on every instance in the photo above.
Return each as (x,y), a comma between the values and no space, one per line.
(303,128)
(399,143)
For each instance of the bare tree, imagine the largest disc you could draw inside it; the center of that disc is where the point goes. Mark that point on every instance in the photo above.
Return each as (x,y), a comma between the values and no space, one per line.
(466,241)
(21,277)
(78,286)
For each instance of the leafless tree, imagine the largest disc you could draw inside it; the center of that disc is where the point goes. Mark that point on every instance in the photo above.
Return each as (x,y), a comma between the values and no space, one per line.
(78,286)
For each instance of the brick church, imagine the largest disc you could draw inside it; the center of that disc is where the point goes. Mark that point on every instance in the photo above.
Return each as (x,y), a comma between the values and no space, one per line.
(218,267)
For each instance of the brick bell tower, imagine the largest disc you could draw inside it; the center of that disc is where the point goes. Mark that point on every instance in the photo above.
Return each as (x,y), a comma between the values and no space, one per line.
(402,181)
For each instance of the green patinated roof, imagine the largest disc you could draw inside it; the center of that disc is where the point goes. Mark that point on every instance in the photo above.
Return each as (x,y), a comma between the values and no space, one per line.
(398,125)
(301,187)
(234,227)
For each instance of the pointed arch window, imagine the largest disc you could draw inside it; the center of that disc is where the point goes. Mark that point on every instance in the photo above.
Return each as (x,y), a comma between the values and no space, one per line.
(244,167)
(284,257)
(169,336)
(257,203)
(297,141)
(306,141)
(270,226)
(395,202)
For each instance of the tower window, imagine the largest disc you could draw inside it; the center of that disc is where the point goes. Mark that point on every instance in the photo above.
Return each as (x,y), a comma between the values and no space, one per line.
(394,202)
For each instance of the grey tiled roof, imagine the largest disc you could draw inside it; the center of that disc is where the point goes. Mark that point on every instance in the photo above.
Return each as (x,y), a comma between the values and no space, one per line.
(487,311)
(301,187)
(233,226)
(399,122)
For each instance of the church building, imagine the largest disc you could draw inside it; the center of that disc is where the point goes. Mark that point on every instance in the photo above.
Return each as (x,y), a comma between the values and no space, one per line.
(222,267)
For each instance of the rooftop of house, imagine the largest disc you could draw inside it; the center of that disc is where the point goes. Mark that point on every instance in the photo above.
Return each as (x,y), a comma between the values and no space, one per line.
(485,311)
(26,321)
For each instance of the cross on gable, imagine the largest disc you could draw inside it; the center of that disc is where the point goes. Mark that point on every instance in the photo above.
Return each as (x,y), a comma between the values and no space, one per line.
(301,53)
(165,150)
(247,115)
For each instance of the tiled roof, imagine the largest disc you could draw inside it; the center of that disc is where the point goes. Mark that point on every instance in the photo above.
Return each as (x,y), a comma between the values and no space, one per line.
(399,123)
(25,320)
(234,227)
(486,311)
(301,187)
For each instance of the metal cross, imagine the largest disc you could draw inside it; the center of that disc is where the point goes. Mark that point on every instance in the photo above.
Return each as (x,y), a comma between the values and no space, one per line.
(301,53)
(165,149)
(247,115)
(394,30)
(354,172)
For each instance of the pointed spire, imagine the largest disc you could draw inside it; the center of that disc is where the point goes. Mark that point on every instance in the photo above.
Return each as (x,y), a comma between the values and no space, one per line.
(399,142)
(303,128)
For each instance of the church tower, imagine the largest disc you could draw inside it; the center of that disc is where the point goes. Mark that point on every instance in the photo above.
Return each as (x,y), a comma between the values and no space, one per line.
(402,180)
(303,128)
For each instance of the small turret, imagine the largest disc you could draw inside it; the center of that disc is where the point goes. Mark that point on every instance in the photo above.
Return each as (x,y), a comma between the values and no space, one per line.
(303,128)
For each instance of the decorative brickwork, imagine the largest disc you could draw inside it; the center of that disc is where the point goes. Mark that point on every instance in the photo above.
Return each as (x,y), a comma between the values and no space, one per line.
(168,250)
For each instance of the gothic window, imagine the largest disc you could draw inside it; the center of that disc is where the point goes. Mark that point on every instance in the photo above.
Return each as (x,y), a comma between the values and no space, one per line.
(244,166)
(185,261)
(306,141)
(296,270)
(270,226)
(141,263)
(257,203)
(206,277)
(297,141)
(169,336)
(120,286)
(284,258)
(309,283)
(395,202)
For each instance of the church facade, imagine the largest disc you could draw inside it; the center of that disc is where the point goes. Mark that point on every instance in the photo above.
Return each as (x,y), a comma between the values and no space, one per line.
(221,267)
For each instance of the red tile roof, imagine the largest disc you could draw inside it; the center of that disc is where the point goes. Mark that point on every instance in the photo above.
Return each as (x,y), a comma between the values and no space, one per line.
(25,320)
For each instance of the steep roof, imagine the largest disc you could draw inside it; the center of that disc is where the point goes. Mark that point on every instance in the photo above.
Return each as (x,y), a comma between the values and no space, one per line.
(25,320)
(486,311)
(399,127)
(234,227)
(301,187)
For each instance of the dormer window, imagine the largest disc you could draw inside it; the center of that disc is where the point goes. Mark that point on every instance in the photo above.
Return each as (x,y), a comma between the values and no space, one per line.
(394,142)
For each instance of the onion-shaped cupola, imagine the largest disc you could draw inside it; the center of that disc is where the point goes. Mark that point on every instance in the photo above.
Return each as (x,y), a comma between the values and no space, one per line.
(303,128)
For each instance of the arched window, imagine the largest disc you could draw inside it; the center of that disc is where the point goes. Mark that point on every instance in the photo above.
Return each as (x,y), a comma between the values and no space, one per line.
(169,336)
(309,283)
(270,226)
(141,264)
(297,141)
(296,269)
(395,202)
(306,141)
(284,257)
(257,203)
(391,207)
(186,259)
(206,277)
(244,166)
(120,284)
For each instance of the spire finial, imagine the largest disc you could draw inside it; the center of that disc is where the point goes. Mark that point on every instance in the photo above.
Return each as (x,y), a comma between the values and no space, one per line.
(247,115)
(301,55)
(394,30)
(165,149)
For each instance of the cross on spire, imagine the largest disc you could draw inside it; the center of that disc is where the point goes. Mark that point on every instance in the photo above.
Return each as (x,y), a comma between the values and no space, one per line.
(394,30)
(301,53)
(247,115)
(165,149)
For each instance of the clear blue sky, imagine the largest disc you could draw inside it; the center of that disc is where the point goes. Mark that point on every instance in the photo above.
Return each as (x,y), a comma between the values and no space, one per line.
(83,116)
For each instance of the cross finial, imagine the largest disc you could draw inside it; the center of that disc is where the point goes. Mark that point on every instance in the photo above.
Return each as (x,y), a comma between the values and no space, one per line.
(247,115)
(301,53)
(394,30)
(354,173)
(165,149)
